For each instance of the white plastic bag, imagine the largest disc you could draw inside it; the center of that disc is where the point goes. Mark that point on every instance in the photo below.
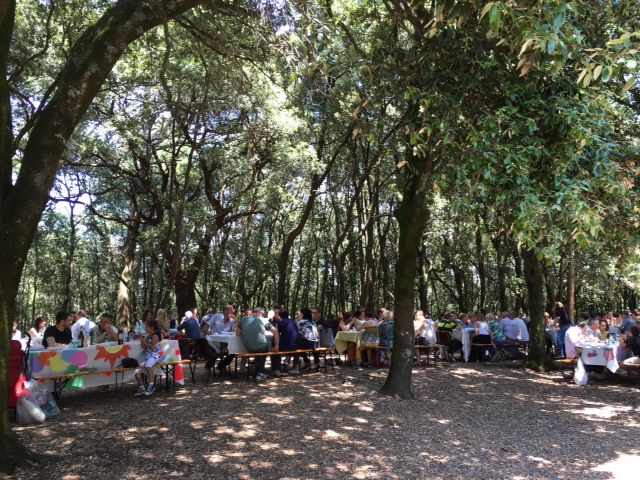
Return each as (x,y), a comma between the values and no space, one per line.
(28,412)
(580,376)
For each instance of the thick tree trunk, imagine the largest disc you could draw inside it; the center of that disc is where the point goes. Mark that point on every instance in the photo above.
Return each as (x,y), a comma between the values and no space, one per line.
(22,203)
(501,274)
(412,218)
(537,358)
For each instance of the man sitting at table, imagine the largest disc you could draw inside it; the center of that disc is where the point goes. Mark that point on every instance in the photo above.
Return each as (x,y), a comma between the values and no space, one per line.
(83,324)
(515,331)
(593,329)
(288,334)
(252,330)
(575,334)
(221,322)
(107,332)
(58,335)
(190,326)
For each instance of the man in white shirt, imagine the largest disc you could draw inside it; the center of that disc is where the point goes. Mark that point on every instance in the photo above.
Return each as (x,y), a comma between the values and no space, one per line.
(107,331)
(221,322)
(515,331)
(82,323)
(575,334)
(593,331)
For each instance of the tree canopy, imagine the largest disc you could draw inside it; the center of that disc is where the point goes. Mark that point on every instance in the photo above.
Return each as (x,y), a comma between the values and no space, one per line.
(448,155)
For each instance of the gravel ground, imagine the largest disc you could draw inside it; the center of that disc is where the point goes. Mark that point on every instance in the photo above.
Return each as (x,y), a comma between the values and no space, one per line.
(482,421)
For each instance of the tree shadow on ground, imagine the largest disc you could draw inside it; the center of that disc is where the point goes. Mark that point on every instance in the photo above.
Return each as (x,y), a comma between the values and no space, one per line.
(467,421)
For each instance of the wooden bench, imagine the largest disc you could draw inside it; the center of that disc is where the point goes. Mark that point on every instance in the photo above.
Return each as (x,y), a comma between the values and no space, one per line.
(322,351)
(484,347)
(632,367)
(566,364)
(61,380)
(432,350)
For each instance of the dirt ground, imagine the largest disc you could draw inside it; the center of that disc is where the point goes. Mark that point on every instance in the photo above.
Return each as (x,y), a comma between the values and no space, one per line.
(480,421)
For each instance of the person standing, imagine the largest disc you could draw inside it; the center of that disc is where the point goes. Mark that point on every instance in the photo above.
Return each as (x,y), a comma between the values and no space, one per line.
(563,323)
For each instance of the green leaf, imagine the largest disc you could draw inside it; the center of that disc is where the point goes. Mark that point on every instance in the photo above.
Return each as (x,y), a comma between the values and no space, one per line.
(558,21)
(494,16)
(597,71)
(551,46)
(606,74)
(630,83)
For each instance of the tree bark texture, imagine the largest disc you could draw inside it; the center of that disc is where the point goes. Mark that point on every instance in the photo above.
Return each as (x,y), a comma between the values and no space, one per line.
(412,219)
(571,283)
(89,63)
(537,359)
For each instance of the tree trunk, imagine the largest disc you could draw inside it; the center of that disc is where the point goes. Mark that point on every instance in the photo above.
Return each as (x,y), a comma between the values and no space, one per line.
(482,271)
(537,359)
(423,280)
(517,263)
(412,219)
(90,61)
(498,244)
(571,284)
(124,314)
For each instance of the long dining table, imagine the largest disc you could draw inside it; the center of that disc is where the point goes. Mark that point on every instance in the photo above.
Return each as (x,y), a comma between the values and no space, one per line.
(92,360)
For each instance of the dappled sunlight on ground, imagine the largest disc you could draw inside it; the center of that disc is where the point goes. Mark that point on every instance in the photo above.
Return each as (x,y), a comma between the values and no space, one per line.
(466,421)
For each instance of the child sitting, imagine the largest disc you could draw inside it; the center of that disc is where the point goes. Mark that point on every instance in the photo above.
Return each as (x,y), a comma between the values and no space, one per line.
(151,346)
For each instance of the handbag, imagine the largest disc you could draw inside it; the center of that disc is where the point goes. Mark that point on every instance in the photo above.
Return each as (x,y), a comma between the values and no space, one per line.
(370,337)
(326,338)
(129,363)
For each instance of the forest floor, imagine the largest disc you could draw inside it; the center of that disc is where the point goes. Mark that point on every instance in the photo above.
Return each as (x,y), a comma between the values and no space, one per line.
(480,421)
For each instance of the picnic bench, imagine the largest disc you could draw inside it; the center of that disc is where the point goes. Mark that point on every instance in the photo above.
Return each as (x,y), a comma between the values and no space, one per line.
(251,359)
(60,381)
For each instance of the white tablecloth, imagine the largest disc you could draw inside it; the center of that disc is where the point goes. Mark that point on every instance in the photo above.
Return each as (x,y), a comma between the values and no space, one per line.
(54,361)
(235,344)
(600,354)
(464,336)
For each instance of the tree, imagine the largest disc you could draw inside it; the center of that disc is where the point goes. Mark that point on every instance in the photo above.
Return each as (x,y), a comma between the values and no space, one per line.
(61,108)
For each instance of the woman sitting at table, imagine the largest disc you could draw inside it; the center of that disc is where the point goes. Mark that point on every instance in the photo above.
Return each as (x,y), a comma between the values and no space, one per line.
(38,327)
(482,336)
(346,321)
(386,335)
(497,334)
(163,318)
(370,335)
(140,329)
(632,345)
(603,330)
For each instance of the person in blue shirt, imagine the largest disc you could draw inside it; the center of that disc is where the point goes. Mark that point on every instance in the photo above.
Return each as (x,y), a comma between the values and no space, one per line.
(190,326)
